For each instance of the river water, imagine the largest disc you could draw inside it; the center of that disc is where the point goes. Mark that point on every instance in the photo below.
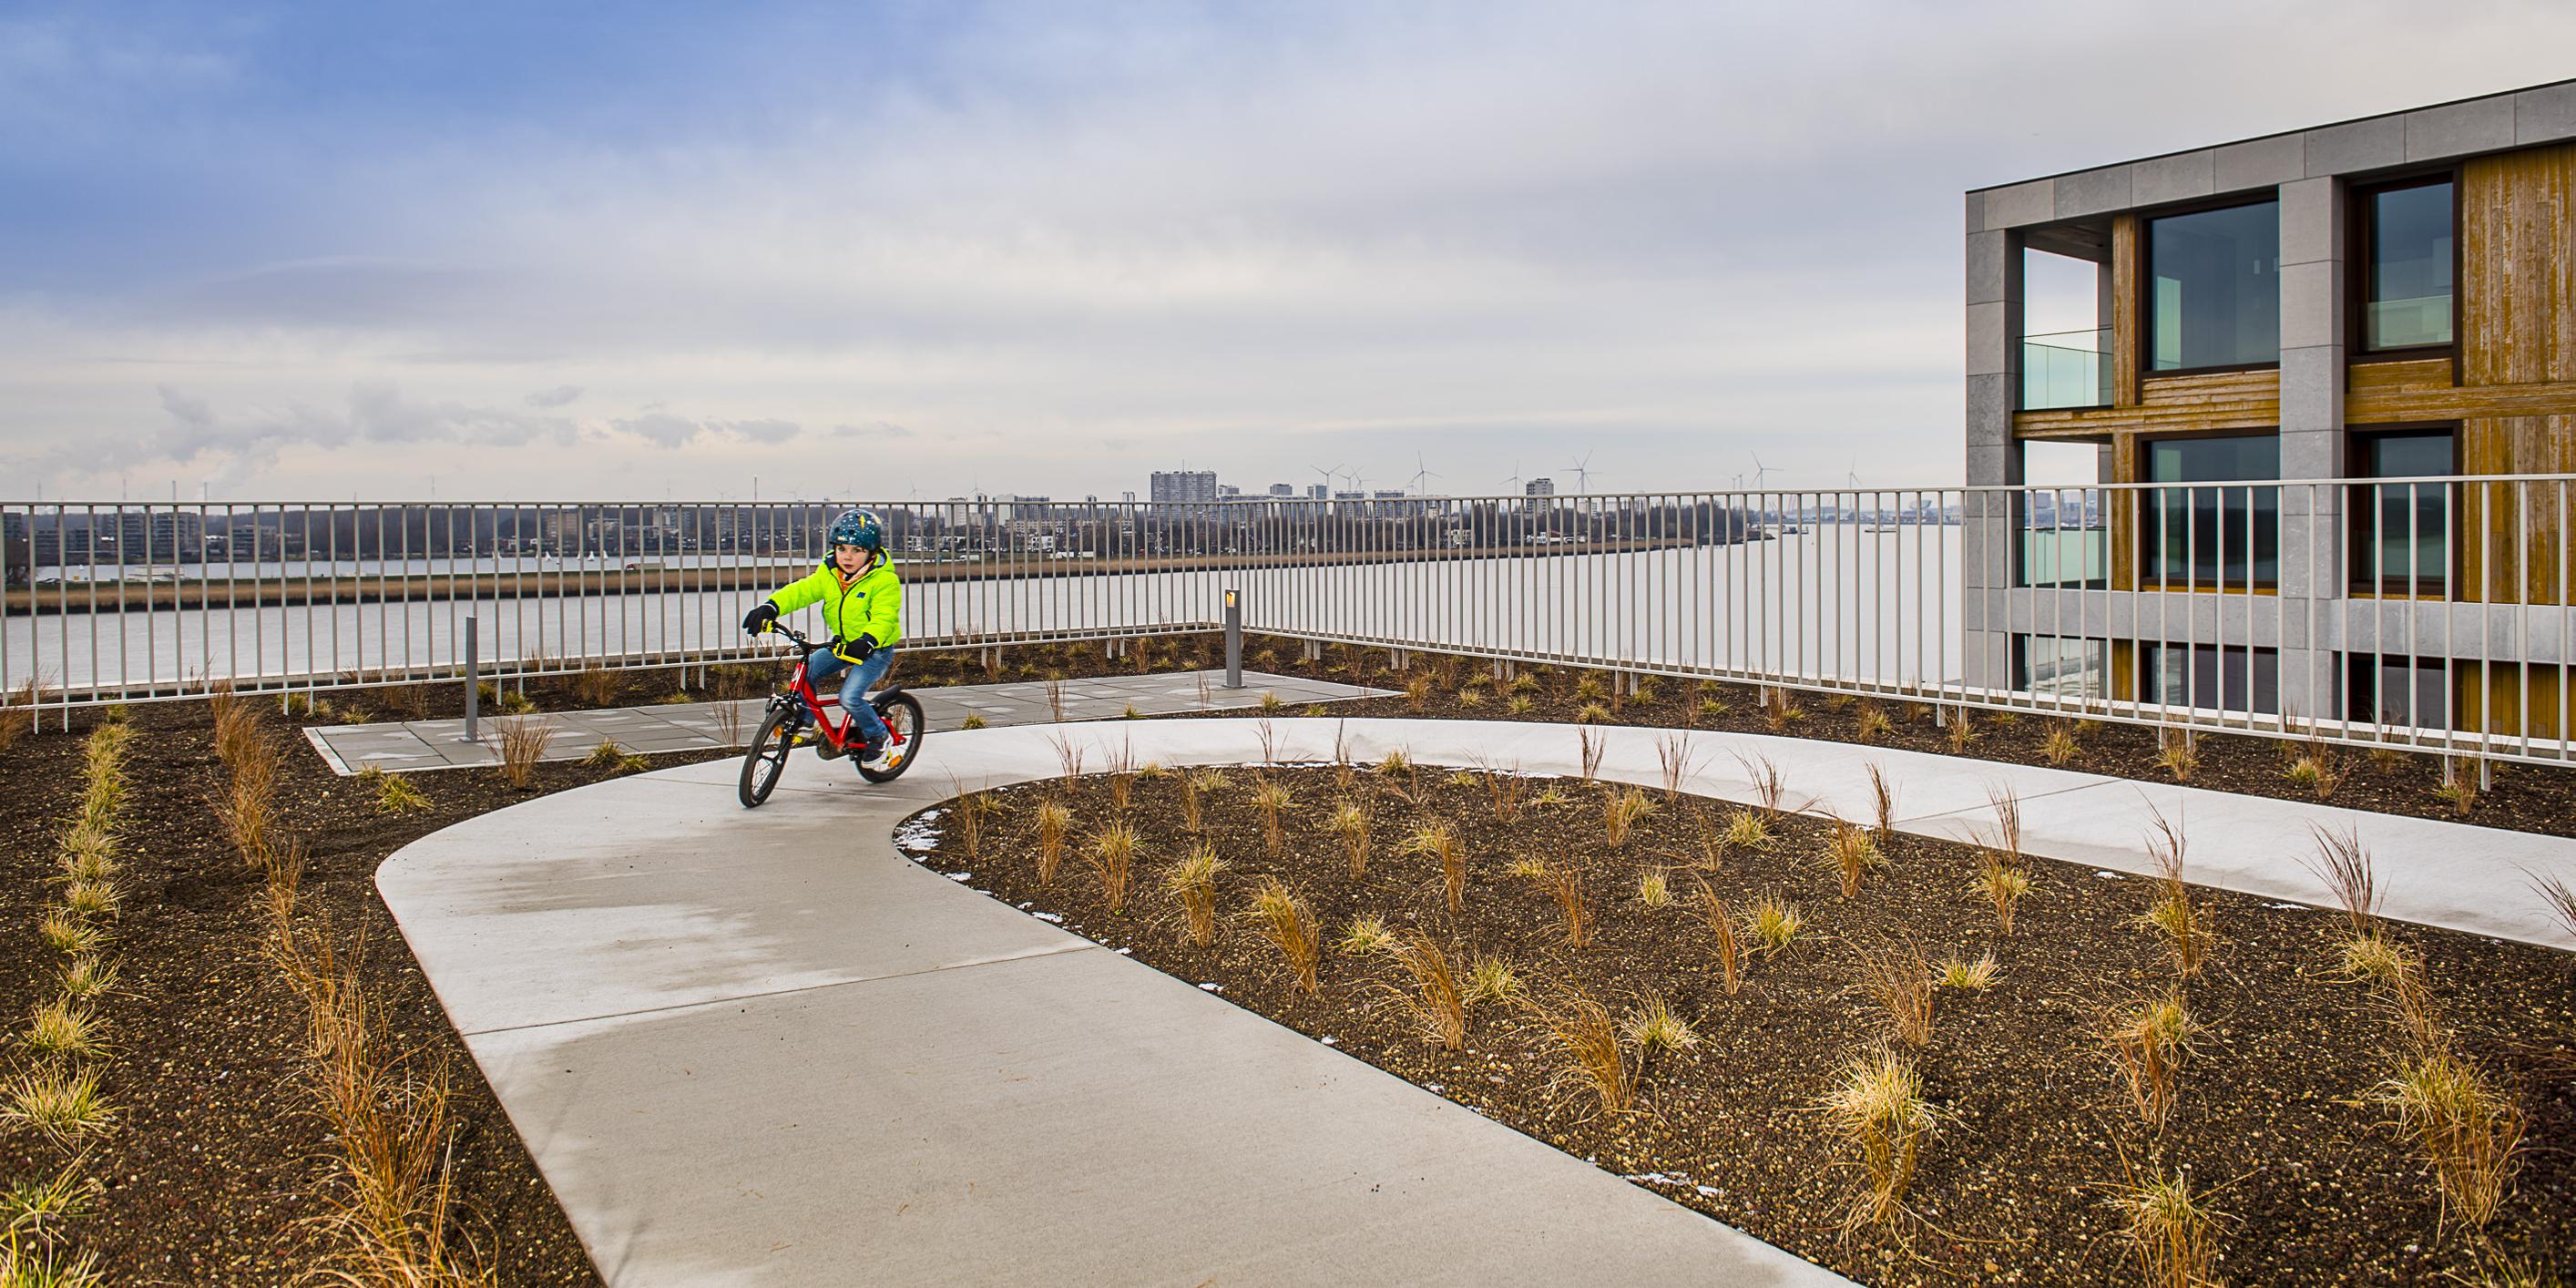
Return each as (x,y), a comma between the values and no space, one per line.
(1836,600)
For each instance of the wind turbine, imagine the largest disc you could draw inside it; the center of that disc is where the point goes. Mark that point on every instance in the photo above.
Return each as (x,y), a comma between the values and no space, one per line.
(1421,471)
(1515,481)
(1582,473)
(1760,470)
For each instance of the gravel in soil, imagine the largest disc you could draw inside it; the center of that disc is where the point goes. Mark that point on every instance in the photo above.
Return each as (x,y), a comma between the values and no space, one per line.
(218,1161)
(2275,1124)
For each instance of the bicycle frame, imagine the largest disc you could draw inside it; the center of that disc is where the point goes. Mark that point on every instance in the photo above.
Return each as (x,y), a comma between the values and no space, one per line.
(801,688)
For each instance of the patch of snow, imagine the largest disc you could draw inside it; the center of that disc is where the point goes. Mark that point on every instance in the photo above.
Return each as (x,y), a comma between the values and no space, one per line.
(1709,1191)
(1048,917)
(1332,1042)
(1213,988)
(961,878)
(2288,907)
(1126,952)
(1433,1086)
(2112,876)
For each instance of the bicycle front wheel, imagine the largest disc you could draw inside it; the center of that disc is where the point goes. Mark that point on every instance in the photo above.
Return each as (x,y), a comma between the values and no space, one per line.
(767,757)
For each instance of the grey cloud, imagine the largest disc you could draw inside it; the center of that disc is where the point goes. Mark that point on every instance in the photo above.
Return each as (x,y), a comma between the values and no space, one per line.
(667,430)
(239,444)
(555,397)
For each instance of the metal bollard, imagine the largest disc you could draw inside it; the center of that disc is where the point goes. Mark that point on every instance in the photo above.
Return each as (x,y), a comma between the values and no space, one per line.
(1234,639)
(473,681)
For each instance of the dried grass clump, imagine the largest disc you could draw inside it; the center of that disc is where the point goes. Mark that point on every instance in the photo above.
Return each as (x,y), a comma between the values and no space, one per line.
(2003,881)
(1745,830)
(2465,1125)
(523,744)
(1492,979)
(1503,791)
(69,935)
(1192,884)
(1652,1029)
(88,978)
(1768,788)
(1430,994)
(2169,1231)
(1771,923)
(1780,709)
(1871,723)
(1877,1107)
(1364,935)
(60,1102)
(2060,745)
(2175,754)
(1895,976)
(1973,976)
(1621,814)
(1721,925)
(2556,896)
(1655,888)
(1113,860)
(1350,825)
(1573,910)
(1673,756)
(2316,772)
(1589,748)
(18,712)
(1272,799)
(595,687)
(1284,919)
(1882,805)
(1963,730)
(1852,852)
(2458,788)
(66,1027)
(2146,1043)
(1054,819)
(2173,913)
(1589,1038)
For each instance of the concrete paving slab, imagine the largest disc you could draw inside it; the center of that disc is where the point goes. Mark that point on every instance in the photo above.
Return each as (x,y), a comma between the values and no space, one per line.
(1072,1119)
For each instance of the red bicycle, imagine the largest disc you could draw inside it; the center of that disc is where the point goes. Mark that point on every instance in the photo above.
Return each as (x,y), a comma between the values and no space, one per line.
(799,716)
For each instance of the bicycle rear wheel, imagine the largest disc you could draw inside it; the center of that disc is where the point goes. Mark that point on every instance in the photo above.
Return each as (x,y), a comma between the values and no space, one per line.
(902,714)
(767,757)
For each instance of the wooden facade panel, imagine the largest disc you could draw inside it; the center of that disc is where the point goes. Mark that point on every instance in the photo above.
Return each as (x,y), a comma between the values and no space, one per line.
(2171,405)
(2518,268)
(2125,313)
(2516,539)
(2393,404)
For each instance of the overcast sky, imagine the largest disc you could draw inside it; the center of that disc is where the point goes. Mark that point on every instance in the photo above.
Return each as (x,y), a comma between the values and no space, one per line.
(620,250)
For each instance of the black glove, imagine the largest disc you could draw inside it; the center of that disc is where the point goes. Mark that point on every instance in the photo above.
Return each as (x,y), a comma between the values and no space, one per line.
(758,619)
(857,650)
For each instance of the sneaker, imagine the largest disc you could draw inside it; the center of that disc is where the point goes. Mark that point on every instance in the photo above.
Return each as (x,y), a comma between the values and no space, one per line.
(869,752)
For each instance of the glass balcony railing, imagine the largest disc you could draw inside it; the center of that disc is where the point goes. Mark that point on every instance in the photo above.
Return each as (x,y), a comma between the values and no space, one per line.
(2407,324)
(2066,369)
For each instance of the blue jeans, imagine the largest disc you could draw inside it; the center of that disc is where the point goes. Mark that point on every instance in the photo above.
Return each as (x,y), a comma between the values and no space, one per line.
(823,664)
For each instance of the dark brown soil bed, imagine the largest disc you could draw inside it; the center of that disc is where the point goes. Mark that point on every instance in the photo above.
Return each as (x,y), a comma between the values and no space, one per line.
(2523,798)
(218,1161)
(2276,1122)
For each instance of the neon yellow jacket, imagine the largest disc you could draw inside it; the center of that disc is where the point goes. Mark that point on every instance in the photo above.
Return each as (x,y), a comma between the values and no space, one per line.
(869,604)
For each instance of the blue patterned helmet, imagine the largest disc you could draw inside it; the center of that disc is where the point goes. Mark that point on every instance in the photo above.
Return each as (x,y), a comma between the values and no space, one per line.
(858,528)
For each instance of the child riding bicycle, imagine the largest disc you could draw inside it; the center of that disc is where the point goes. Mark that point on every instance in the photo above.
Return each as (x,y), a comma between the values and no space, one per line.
(862,603)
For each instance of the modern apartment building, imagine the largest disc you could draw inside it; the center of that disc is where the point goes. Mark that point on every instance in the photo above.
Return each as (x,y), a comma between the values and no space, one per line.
(2385,298)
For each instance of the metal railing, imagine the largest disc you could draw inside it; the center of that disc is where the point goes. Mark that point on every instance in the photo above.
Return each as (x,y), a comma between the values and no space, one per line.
(2430,613)
(2064,369)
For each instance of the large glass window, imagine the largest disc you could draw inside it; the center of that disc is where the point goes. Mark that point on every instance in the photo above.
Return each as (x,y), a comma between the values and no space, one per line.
(2053,666)
(2409,266)
(2209,536)
(2401,532)
(2214,290)
(2208,678)
(2398,692)
(2063,539)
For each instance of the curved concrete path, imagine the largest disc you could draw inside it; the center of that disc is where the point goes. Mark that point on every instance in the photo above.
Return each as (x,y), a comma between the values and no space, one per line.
(762,1048)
